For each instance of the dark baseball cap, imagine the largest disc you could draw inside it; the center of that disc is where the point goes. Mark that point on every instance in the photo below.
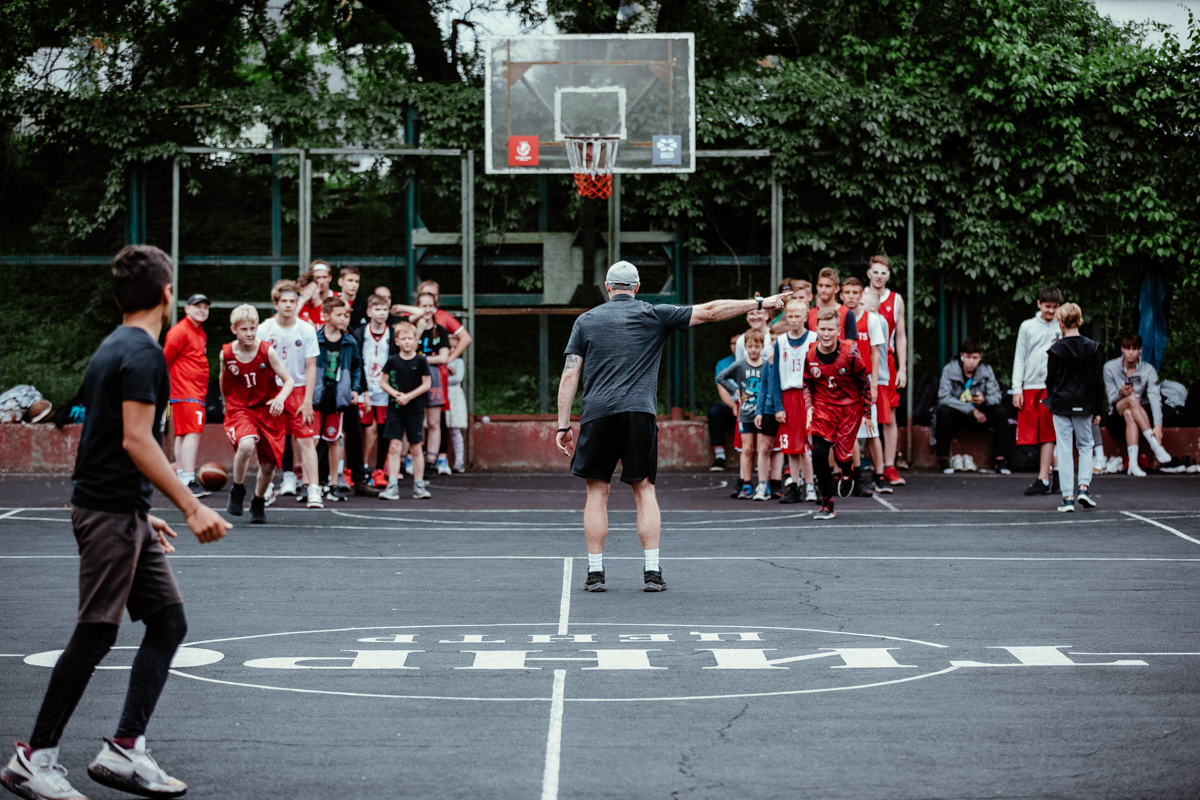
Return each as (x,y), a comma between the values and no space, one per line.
(197,299)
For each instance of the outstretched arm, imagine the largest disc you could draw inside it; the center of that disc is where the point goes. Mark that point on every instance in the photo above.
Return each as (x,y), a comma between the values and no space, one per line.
(718,310)
(566,398)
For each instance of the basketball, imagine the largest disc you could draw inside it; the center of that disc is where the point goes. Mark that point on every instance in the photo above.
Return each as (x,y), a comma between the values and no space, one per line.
(38,411)
(212,476)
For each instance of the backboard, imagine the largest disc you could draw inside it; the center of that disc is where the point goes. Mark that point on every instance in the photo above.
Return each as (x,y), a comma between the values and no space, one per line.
(640,87)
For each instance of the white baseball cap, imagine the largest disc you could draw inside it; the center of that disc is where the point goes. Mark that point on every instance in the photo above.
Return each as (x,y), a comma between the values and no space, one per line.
(623,275)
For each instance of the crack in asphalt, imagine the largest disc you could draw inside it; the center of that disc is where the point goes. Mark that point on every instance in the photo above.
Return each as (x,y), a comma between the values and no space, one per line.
(816,587)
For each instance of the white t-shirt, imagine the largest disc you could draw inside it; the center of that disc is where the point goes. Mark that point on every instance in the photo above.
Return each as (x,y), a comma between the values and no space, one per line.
(293,345)
(883,348)
(375,355)
(791,359)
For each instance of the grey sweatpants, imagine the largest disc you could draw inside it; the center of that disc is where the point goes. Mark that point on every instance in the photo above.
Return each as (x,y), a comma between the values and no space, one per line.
(1079,428)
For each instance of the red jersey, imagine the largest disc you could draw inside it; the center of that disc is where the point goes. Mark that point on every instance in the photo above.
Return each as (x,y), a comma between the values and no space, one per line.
(887,310)
(864,340)
(843,333)
(313,315)
(247,385)
(187,363)
(447,321)
(845,382)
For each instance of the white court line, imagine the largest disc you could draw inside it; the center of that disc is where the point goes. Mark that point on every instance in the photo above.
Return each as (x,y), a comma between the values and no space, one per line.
(12,655)
(1166,528)
(1074,653)
(554,738)
(176,557)
(884,503)
(564,604)
(10,513)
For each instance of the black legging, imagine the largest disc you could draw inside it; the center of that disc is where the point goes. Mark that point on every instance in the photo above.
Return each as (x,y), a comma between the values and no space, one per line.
(90,642)
(824,472)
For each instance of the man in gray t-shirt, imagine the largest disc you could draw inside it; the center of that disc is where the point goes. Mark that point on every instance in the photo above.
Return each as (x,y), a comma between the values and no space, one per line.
(616,348)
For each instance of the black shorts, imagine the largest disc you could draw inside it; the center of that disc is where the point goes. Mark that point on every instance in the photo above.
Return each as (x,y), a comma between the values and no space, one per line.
(409,421)
(630,437)
(1114,423)
(770,425)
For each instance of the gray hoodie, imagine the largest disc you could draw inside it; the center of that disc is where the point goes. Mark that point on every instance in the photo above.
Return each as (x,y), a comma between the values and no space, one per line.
(954,383)
(1145,385)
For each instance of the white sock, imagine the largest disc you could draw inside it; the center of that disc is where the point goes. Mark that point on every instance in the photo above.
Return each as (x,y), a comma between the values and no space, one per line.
(187,477)
(718,452)
(1159,452)
(595,562)
(652,560)
(1133,453)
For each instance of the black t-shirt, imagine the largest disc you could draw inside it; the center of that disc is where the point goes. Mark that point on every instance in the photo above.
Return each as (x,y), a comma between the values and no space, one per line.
(358,311)
(128,366)
(432,340)
(332,352)
(404,375)
(828,358)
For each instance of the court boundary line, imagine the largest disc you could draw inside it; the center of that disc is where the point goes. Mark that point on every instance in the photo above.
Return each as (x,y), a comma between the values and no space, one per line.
(252,557)
(765,511)
(1166,528)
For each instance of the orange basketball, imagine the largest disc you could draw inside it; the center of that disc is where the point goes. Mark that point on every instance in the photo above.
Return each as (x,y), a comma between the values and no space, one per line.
(212,476)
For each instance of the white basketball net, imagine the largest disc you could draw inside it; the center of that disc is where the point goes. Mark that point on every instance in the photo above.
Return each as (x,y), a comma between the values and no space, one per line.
(592,155)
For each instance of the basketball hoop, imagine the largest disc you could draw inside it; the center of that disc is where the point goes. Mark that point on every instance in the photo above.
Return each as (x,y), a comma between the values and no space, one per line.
(592,159)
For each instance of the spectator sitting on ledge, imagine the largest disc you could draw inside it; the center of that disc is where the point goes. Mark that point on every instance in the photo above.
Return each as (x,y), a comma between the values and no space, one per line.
(969,397)
(1135,401)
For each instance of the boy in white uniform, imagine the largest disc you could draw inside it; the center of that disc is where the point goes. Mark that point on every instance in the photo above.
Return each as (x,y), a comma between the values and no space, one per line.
(783,396)
(870,304)
(295,342)
(377,348)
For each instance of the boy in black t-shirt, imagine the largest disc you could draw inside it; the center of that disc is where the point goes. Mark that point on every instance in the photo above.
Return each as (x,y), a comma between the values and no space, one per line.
(406,380)
(122,547)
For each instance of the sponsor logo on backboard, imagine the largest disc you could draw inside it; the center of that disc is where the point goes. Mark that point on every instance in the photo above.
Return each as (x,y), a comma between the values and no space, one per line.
(666,151)
(522,151)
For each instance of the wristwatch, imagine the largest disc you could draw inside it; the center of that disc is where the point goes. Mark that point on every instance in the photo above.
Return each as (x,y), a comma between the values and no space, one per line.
(759,299)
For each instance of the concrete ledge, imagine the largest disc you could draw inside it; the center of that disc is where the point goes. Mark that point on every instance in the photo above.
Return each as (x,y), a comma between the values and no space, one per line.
(520,444)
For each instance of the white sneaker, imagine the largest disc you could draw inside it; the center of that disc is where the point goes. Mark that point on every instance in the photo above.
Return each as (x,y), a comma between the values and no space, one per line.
(1099,462)
(392,492)
(1135,470)
(443,466)
(810,493)
(38,777)
(315,500)
(289,483)
(956,463)
(1116,465)
(270,496)
(762,492)
(134,771)
(419,491)
(968,464)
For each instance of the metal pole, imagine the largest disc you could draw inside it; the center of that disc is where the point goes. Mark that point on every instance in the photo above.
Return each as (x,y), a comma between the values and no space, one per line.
(276,214)
(469,288)
(691,345)
(302,214)
(543,364)
(910,268)
(776,232)
(614,223)
(175,239)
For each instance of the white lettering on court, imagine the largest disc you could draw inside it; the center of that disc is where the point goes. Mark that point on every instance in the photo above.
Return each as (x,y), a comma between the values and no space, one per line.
(363,659)
(605,659)
(472,638)
(645,637)
(1048,656)
(550,638)
(716,637)
(852,658)
(392,638)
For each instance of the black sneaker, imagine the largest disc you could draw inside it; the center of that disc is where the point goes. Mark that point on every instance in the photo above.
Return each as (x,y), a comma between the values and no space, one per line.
(364,489)
(862,487)
(196,489)
(882,486)
(1038,486)
(827,511)
(718,465)
(792,495)
(595,582)
(258,511)
(776,489)
(237,498)
(1054,487)
(654,581)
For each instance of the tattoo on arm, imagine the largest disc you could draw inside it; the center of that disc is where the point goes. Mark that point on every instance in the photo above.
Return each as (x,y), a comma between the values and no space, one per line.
(573,361)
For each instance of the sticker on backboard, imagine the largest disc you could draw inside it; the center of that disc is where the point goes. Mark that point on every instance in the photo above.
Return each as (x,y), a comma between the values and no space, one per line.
(522,151)
(666,151)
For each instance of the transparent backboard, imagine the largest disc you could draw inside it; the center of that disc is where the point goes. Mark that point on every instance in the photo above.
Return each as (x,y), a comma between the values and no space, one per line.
(640,87)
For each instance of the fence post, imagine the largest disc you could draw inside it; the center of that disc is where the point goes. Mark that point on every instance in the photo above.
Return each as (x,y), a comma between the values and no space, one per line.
(910,269)
(174,239)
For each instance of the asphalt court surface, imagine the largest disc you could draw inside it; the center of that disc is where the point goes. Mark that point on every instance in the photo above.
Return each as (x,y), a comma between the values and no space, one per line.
(962,641)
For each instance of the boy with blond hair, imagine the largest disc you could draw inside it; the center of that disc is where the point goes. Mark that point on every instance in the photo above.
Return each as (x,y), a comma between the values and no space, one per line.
(1076,397)
(781,403)
(252,421)
(406,379)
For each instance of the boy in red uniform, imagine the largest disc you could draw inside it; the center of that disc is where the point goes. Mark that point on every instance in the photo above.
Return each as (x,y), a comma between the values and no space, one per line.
(891,308)
(187,362)
(252,422)
(837,392)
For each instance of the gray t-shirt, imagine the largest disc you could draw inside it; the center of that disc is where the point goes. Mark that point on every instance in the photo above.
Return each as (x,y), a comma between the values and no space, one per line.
(743,382)
(621,345)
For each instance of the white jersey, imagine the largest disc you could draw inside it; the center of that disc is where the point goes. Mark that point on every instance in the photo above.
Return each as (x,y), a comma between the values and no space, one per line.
(791,359)
(375,355)
(883,348)
(293,345)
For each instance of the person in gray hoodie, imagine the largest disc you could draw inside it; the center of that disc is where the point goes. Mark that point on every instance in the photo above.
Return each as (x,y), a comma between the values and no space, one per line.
(1135,401)
(1075,396)
(969,397)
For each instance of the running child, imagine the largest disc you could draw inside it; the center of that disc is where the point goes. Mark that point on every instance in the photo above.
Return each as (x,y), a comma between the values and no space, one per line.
(295,342)
(782,399)
(743,379)
(406,379)
(377,347)
(185,350)
(122,546)
(837,394)
(891,309)
(253,422)
(1035,423)
(340,380)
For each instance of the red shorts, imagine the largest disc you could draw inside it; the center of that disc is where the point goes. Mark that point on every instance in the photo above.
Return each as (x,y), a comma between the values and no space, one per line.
(793,434)
(293,420)
(1035,423)
(839,425)
(883,405)
(377,415)
(187,416)
(737,426)
(893,392)
(329,424)
(266,430)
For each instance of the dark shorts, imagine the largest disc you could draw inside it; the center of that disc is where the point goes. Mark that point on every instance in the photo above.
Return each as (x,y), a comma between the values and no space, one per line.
(1114,423)
(631,438)
(770,425)
(408,421)
(121,565)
